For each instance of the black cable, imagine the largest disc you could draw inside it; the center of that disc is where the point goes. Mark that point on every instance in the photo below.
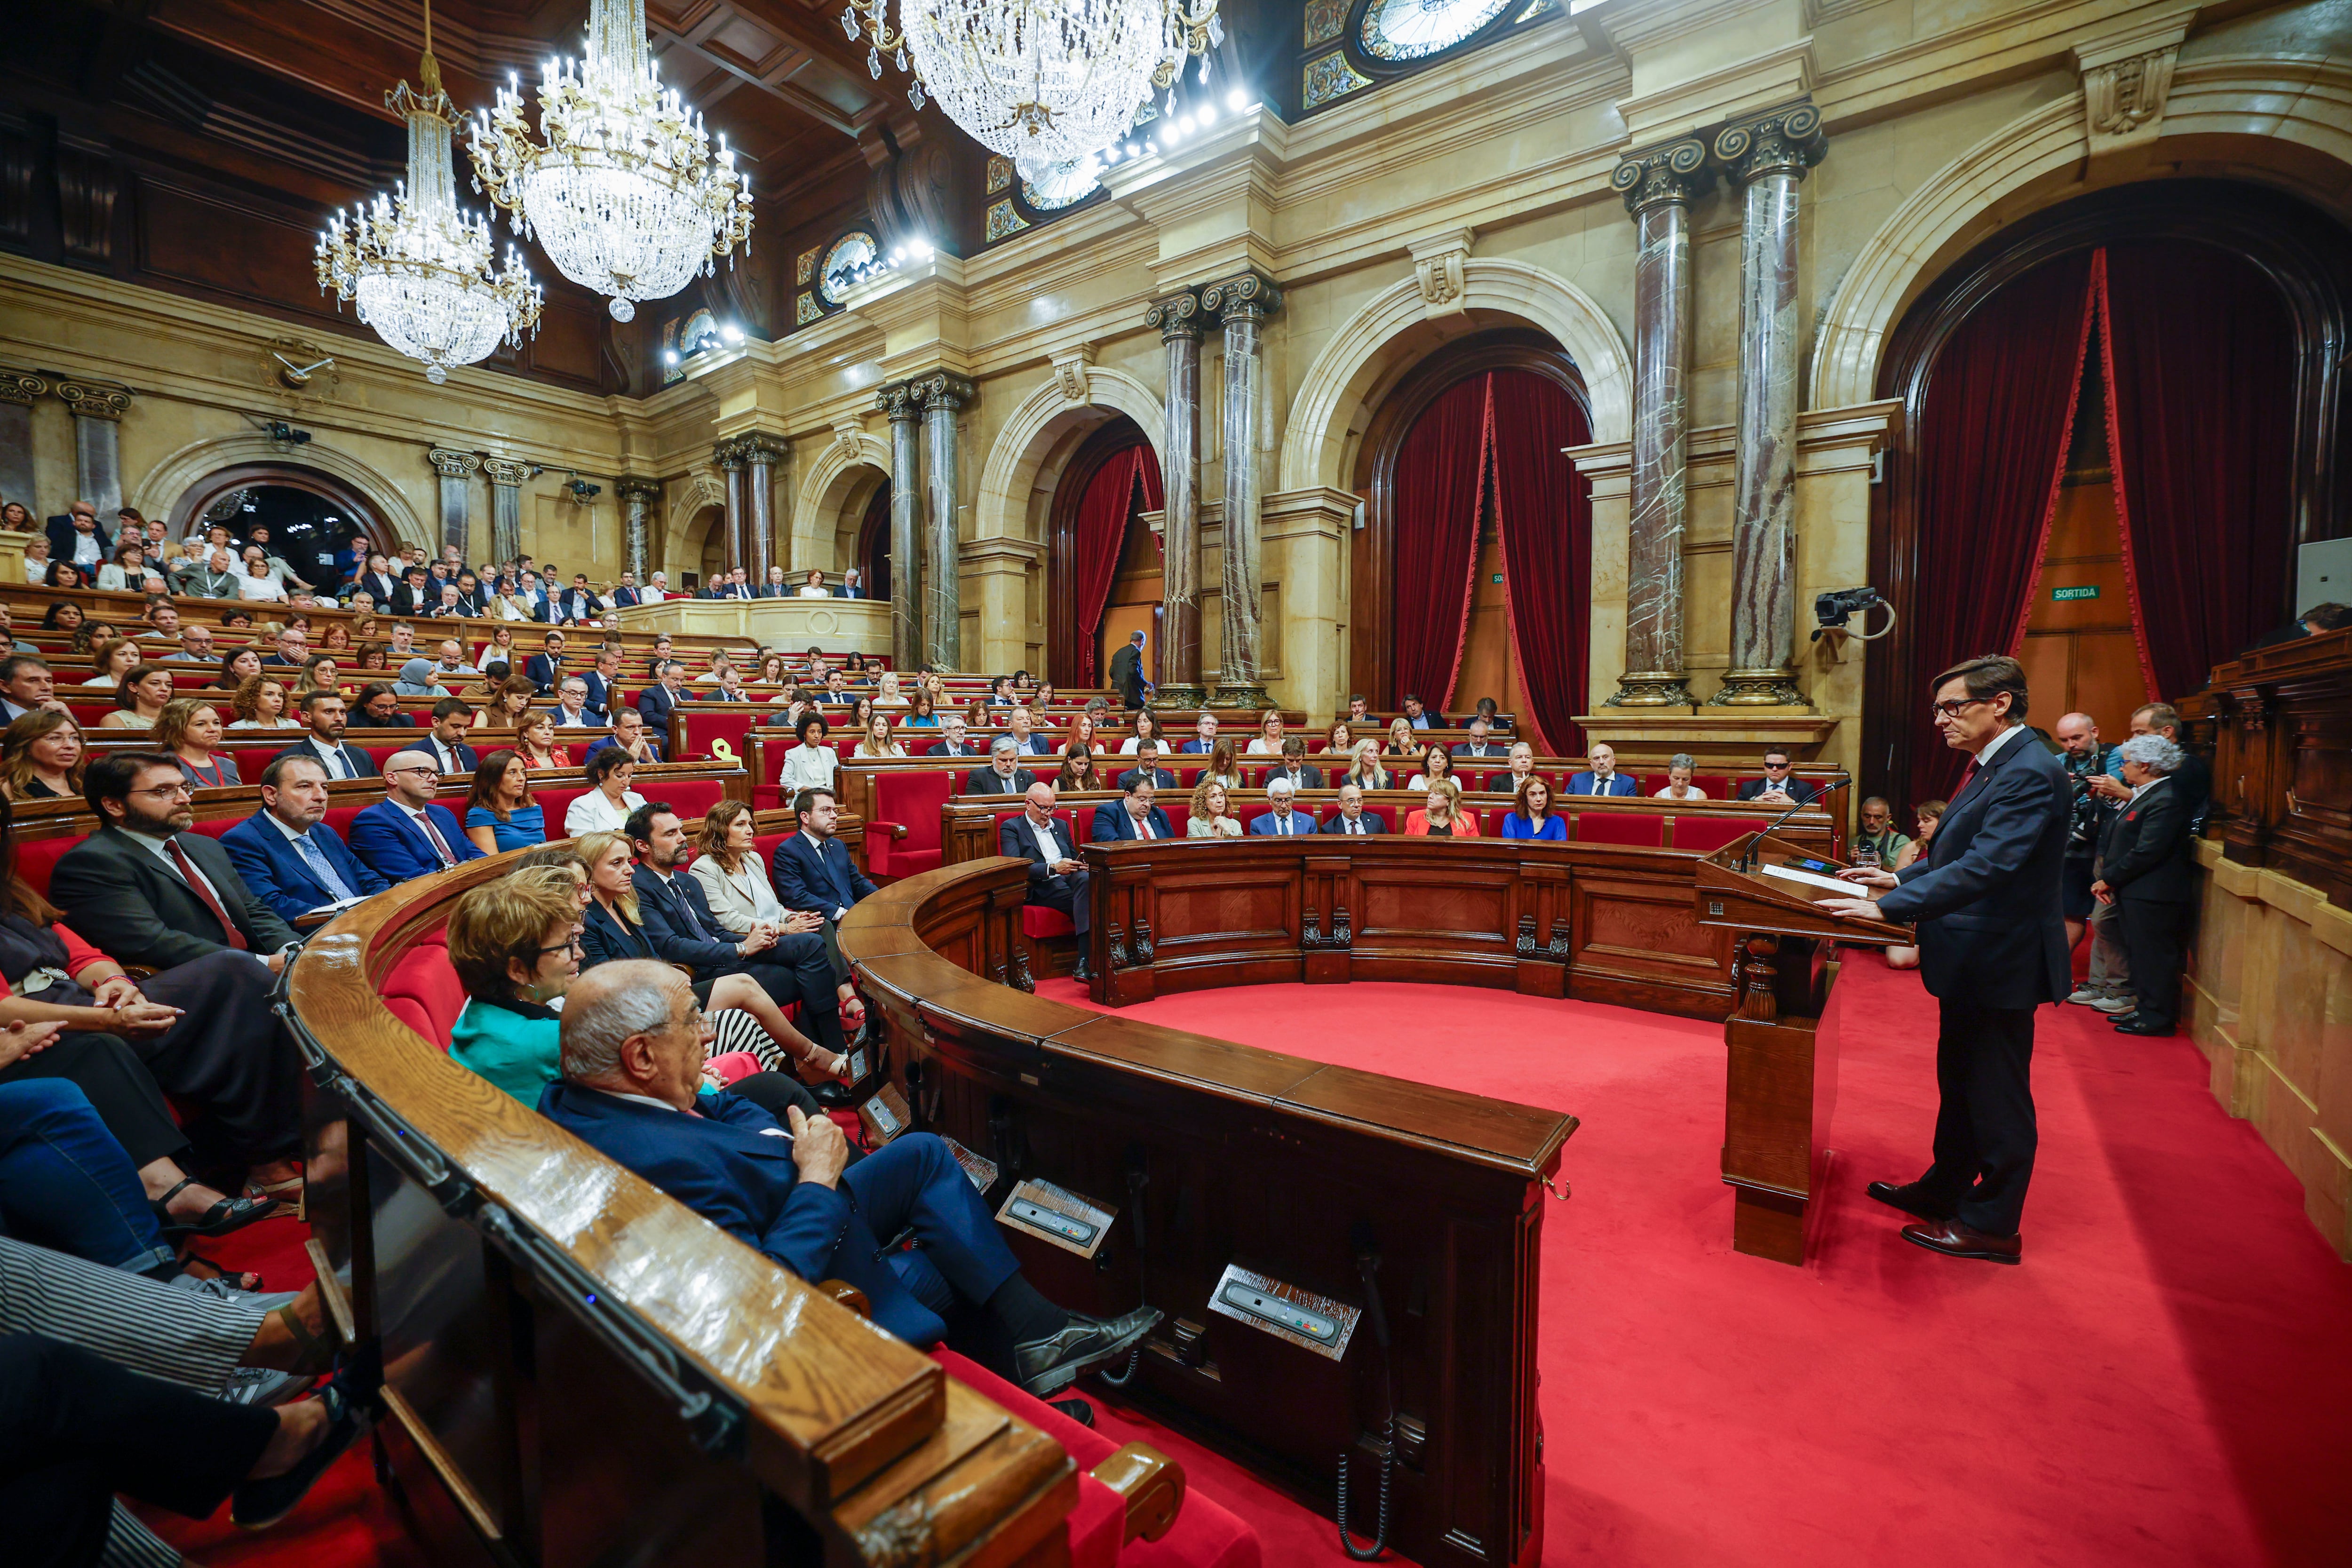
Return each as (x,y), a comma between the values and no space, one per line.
(1138,1178)
(1367,1264)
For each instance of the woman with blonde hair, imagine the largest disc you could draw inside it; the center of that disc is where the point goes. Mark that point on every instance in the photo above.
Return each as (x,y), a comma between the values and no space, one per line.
(1209,819)
(109,661)
(500,650)
(887,694)
(877,740)
(1222,766)
(260,704)
(1443,816)
(189,728)
(1269,735)
(1366,773)
(42,756)
(145,689)
(1403,741)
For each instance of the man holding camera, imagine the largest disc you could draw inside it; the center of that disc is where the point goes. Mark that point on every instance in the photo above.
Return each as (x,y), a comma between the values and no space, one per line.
(2086,760)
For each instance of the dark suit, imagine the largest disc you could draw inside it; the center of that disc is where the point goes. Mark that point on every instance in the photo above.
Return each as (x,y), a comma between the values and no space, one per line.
(388,840)
(600,694)
(276,873)
(467,758)
(376,586)
(543,672)
(602,742)
(1588,782)
(2145,862)
(112,885)
(1193,748)
(626,598)
(1017,837)
(1472,749)
(1797,790)
(1127,675)
(1038,744)
(359,764)
(575,604)
(985,781)
(1368,823)
(844,591)
(61,531)
(808,878)
(728,1165)
(1113,820)
(654,704)
(682,930)
(948,749)
(1992,946)
(415,601)
(1304,776)
(1161,778)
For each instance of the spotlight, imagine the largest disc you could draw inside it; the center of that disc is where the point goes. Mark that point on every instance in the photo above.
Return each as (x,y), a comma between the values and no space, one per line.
(1237,100)
(1208,113)
(670,356)
(731,332)
(281,431)
(1131,151)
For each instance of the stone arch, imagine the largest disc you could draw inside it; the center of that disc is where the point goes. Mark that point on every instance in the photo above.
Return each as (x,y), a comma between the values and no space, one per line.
(1339,392)
(1016,485)
(688,500)
(832,500)
(2036,162)
(160,493)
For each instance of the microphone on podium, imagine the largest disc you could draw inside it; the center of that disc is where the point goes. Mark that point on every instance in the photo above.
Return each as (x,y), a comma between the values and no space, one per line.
(1747,862)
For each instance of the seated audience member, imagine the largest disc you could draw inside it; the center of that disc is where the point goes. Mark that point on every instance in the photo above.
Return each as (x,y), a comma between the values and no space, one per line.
(1004,776)
(958,742)
(1057,878)
(1402,741)
(535,743)
(1132,816)
(655,702)
(1000,693)
(976,714)
(42,757)
(631,1034)
(1082,735)
(379,709)
(445,742)
(1481,742)
(417,679)
(1779,786)
(195,648)
(499,813)
(1923,827)
(1531,815)
(922,713)
(1491,712)
(505,707)
(1680,768)
(500,650)
(1282,821)
(1353,819)
(1878,843)
(812,763)
(1146,728)
(571,706)
(606,804)
(109,661)
(729,687)
(1205,736)
(1339,742)
(320,672)
(139,698)
(236,670)
(1296,768)
(1146,767)
(1359,709)
(887,692)
(877,740)
(1444,817)
(190,730)
(1436,762)
(1415,716)
(2144,869)
(545,669)
(323,715)
(1026,737)
(1600,775)
(629,735)
(734,883)
(515,945)
(815,874)
(1269,739)
(407,834)
(1365,772)
(1077,772)
(287,854)
(1209,819)
(9,641)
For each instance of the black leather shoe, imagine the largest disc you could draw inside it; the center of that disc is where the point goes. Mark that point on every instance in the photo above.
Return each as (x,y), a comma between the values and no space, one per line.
(1908,1198)
(1082,974)
(2121,1018)
(1077,1410)
(833,1095)
(1049,1366)
(1953,1240)
(2139,1025)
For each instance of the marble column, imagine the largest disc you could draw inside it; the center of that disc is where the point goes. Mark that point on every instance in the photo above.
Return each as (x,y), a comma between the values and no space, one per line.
(18,389)
(1767,156)
(945,396)
(97,411)
(905,407)
(505,477)
(762,453)
(637,497)
(457,470)
(1180,319)
(1659,185)
(728,458)
(1243,303)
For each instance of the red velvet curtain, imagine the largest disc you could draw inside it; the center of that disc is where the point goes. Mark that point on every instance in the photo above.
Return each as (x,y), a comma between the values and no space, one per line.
(1993,448)
(1545,509)
(1441,469)
(2201,433)
(1105,511)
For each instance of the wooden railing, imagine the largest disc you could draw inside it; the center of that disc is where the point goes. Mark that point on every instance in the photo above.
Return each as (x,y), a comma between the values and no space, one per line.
(2277,727)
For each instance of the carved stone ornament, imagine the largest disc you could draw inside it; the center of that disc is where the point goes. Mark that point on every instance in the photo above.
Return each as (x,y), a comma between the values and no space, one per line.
(2125,81)
(1249,296)
(945,389)
(95,399)
(900,401)
(632,487)
(728,456)
(1179,315)
(1783,141)
(453,465)
(1671,172)
(21,387)
(761,447)
(506,471)
(1438,265)
(1070,373)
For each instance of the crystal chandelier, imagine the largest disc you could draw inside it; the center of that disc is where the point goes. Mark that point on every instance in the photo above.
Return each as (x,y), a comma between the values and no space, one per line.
(625,195)
(421,271)
(1044,82)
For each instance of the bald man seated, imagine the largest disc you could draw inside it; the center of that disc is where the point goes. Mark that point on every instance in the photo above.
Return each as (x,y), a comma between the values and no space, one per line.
(405,834)
(633,1043)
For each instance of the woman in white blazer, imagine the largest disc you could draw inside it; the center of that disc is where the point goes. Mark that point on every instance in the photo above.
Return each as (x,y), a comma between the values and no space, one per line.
(731,873)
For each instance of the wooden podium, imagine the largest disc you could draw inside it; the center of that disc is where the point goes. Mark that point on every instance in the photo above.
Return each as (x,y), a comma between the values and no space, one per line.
(1780,1041)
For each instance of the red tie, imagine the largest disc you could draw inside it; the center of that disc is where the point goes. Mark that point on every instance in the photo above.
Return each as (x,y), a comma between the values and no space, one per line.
(1968,777)
(440,845)
(202,889)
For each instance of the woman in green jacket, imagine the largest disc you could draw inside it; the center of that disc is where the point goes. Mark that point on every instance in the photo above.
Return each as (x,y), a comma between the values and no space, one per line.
(515,945)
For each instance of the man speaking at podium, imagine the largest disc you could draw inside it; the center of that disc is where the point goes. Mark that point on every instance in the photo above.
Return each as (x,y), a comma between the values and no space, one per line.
(1992,947)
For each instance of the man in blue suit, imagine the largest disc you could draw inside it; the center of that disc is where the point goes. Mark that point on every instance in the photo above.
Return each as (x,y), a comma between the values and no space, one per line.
(546,669)
(655,702)
(1147,767)
(1057,878)
(626,596)
(289,859)
(405,834)
(1282,821)
(1133,818)
(1351,818)
(1992,947)
(632,1057)
(812,869)
(1601,777)
(1205,736)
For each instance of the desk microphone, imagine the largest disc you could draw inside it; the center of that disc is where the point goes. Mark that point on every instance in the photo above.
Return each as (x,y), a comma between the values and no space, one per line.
(1839,783)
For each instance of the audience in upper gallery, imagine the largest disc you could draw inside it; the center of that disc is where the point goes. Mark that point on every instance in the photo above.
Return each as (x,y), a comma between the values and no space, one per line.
(1133,816)
(1057,878)
(1077,772)
(1281,820)
(499,813)
(1600,775)
(407,834)
(1146,727)
(1146,767)
(1531,815)
(1004,776)
(1351,820)
(1436,762)
(1779,786)
(1267,742)
(1205,736)
(287,854)
(1295,766)
(1481,742)
(1443,816)
(190,731)
(42,757)
(606,804)
(1366,772)
(139,696)
(1210,818)
(956,741)
(1680,769)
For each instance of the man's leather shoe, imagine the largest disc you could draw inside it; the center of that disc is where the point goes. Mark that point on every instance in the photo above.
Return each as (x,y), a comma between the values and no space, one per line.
(1077,1410)
(1953,1240)
(1082,974)
(2136,1024)
(1908,1198)
(1049,1366)
(2119,1019)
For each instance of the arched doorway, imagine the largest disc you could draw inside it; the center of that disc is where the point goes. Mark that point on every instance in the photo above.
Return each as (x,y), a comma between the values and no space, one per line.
(1107,579)
(1471,574)
(872,556)
(311,517)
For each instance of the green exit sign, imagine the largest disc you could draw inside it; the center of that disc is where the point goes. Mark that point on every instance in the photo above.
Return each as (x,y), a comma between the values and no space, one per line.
(2090,591)
(1498,576)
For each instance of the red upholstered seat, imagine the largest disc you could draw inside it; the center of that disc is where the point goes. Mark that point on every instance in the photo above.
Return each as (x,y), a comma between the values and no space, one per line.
(1717,786)
(411,1013)
(690,798)
(383,754)
(701,735)
(1038,922)
(1708,833)
(904,837)
(338,817)
(214,827)
(89,715)
(1382,810)
(423,977)
(37,857)
(552,804)
(1641,828)
(1180,812)
(1491,821)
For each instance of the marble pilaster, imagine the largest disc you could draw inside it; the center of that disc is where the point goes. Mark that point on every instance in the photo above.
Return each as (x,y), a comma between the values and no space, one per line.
(1242,303)
(505,477)
(1180,319)
(727,456)
(97,411)
(1767,157)
(945,396)
(638,498)
(457,470)
(18,389)
(904,407)
(1659,185)
(762,453)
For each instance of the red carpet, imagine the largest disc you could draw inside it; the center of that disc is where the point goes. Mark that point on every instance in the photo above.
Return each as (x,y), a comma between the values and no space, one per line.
(2163,1382)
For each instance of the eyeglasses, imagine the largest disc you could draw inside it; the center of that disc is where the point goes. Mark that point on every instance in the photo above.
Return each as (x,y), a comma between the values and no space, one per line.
(168,792)
(1951,707)
(572,947)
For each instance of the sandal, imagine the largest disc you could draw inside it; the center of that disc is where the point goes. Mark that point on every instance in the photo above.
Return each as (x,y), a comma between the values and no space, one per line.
(314,1353)
(273,1192)
(243,1281)
(225,1216)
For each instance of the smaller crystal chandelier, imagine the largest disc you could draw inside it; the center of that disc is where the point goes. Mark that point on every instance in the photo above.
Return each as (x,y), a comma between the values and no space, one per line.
(421,271)
(624,196)
(1044,82)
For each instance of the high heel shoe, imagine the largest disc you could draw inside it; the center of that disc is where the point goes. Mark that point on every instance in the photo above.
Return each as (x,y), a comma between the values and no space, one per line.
(225,1216)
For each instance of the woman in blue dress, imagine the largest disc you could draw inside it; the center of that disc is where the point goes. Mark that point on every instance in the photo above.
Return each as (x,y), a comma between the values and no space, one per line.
(1532,816)
(499,813)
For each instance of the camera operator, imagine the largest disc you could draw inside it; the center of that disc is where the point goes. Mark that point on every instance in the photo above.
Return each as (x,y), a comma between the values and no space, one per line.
(2085,760)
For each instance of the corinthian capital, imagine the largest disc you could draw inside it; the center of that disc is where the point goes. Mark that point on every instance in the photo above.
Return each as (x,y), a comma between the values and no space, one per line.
(1671,172)
(901,401)
(727,455)
(760,448)
(632,488)
(1783,141)
(1249,296)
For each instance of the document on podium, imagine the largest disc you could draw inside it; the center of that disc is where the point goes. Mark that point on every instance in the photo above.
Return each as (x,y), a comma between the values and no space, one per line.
(1814,880)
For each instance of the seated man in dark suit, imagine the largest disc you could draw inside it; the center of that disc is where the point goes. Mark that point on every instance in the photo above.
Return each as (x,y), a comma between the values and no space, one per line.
(405,834)
(287,853)
(2144,869)
(957,742)
(1301,773)
(452,720)
(77,539)
(1204,737)
(1779,786)
(380,709)
(1057,879)
(1480,743)
(323,715)
(812,869)
(1134,817)
(632,1034)
(157,894)
(1146,767)
(1004,776)
(1352,818)
(1601,777)
(655,702)
(546,669)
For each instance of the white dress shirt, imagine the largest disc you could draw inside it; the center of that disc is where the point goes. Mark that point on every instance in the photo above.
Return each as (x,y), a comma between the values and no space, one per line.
(86,550)
(591,813)
(1043,833)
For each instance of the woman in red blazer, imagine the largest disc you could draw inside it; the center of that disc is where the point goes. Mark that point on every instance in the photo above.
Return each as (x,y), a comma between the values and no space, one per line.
(1444,817)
